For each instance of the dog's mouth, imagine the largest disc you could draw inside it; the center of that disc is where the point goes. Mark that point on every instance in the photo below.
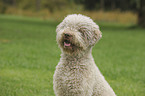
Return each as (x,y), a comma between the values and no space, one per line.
(67,43)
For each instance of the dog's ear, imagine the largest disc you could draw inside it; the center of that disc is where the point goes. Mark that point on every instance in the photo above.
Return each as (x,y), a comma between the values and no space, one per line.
(98,34)
(96,37)
(59,27)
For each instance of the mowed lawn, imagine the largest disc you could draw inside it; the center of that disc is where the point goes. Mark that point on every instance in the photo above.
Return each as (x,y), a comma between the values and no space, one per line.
(29,54)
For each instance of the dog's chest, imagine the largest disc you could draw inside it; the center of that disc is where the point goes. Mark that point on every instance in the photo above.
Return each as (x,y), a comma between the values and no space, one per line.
(74,70)
(73,74)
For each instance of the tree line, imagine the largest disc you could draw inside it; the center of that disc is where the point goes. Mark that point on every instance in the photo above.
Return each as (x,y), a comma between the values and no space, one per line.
(91,5)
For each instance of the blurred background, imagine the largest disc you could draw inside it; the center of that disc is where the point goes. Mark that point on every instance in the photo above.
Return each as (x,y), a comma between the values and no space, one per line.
(29,52)
(120,11)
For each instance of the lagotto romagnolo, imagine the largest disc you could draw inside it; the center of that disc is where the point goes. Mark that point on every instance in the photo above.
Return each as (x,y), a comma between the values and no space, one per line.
(77,74)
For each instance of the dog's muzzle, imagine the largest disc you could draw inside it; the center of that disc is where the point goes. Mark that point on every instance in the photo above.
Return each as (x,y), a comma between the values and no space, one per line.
(67,39)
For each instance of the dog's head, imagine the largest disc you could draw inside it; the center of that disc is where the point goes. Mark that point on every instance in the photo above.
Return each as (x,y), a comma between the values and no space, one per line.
(76,33)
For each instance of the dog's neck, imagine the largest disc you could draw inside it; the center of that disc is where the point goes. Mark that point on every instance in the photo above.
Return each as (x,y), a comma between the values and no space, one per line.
(77,56)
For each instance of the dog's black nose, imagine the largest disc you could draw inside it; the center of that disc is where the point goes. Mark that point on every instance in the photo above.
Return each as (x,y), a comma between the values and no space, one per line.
(67,35)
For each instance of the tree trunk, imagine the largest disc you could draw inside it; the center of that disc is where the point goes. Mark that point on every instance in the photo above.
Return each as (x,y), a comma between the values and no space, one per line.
(141,13)
(113,4)
(14,3)
(102,4)
(38,5)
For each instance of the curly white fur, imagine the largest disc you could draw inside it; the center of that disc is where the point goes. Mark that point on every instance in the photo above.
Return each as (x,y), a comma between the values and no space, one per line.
(77,74)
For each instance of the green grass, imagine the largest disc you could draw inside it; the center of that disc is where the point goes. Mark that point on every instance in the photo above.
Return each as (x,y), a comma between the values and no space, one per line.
(29,54)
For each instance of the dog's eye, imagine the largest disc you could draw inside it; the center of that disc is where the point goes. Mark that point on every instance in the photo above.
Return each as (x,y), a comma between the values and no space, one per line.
(81,30)
(83,33)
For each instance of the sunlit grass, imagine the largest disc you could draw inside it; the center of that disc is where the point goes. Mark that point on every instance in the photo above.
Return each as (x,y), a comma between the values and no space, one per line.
(29,54)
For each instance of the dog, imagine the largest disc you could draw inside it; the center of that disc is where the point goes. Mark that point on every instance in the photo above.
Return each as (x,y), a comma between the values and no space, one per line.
(77,74)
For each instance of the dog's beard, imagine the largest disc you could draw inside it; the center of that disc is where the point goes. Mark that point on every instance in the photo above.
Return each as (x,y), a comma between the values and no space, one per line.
(69,46)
